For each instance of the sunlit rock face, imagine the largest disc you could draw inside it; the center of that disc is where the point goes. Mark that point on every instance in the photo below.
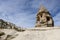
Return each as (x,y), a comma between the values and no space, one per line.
(6,25)
(7,34)
(8,30)
(9,25)
(44,18)
(47,33)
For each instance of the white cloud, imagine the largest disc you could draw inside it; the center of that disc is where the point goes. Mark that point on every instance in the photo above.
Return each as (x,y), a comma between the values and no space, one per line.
(21,12)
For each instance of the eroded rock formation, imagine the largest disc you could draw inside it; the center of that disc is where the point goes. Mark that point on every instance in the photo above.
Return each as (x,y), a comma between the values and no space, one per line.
(8,25)
(44,18)
(8,30)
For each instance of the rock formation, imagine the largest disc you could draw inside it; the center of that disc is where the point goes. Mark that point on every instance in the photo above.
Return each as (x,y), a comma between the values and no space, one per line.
(7,34)
(43,18)
(8,25)
(43,33)
(10,31)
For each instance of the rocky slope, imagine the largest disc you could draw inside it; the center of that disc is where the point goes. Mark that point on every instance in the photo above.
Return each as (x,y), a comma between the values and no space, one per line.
(9,31)
(8,25)
(6,28)
(48,33)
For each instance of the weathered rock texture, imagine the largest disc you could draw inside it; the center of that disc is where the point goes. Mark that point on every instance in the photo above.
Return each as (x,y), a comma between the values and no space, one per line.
(43,18)
(8,25)
(47,33)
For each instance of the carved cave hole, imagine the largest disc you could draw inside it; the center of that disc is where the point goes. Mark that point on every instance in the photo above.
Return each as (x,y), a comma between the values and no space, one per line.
(48,18)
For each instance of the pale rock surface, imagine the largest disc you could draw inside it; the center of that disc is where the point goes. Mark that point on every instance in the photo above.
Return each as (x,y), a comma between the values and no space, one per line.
(44,18)
(43,33)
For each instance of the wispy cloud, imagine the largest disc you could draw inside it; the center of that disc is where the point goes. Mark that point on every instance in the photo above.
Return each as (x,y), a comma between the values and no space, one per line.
(23,12)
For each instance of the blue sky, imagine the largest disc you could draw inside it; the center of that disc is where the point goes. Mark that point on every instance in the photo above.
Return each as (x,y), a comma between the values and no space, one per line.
(23,12)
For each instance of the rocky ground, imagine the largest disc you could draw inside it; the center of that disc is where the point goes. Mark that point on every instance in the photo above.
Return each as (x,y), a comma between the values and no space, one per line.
(9,31)
(48,33)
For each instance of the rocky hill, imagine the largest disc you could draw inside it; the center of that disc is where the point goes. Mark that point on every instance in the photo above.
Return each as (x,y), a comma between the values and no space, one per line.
(6,25)
(9,25)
